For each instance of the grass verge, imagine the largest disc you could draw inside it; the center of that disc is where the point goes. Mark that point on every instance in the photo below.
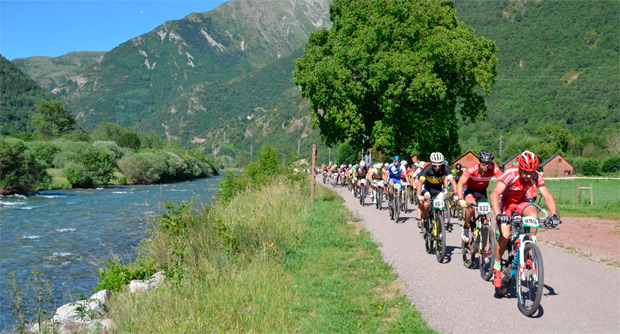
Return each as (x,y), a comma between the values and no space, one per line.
(270,261)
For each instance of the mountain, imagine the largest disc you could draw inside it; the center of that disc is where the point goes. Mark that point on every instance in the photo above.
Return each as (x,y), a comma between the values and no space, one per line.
(18,96)
(222,79)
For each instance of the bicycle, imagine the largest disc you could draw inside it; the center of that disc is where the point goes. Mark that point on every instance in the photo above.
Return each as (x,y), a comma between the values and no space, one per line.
(362,191)
(404,195)
(378,193)
(434,229)
(394,202)
(523,263)
(481,241)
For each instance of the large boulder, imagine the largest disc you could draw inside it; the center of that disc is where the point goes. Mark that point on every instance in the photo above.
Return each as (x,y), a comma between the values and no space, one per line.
(144,285)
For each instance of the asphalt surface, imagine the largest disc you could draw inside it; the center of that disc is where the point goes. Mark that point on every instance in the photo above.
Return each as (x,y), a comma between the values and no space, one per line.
(580,296)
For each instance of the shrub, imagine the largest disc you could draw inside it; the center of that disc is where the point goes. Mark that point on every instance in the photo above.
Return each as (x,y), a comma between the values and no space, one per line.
(78,176)
(20,171)
(611,165)
(590,167)
(116,151)
(143,168)
(44,151)
(129,140)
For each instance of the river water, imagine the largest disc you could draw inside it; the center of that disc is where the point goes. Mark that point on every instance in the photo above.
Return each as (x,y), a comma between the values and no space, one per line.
(68,234)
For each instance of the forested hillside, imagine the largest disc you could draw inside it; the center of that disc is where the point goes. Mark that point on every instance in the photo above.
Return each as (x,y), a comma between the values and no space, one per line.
(18,97)
(222,79)
(558,65)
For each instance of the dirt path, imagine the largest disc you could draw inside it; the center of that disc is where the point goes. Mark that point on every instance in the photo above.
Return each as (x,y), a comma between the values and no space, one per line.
(594,238)
(580,296)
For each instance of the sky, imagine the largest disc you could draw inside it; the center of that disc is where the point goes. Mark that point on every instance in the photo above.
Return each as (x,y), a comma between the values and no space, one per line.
(53,28)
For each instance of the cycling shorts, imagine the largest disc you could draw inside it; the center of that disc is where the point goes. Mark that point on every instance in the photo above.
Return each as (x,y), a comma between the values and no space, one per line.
(396,181)
(432,191)
(360,177)
(520,207)
(478,195)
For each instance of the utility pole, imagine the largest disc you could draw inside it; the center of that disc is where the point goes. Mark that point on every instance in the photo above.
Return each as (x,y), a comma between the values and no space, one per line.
(298,147)
(330,155)
(251,155)
(501,141)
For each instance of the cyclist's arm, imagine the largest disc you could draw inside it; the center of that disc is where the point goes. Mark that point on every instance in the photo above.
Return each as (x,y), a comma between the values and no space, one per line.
(450,178)
(460,184)
(499,189)
(548,199)
(420,185)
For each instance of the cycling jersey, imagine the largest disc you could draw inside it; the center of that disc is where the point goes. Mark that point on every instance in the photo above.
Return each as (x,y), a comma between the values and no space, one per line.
(395,172)
(476,180)
(377,173)
(360,172)
(516,188)
(434,179)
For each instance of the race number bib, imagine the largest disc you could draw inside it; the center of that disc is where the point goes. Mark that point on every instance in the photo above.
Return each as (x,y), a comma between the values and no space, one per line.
(484,208)
(438,203)
(529,221)
(397,186)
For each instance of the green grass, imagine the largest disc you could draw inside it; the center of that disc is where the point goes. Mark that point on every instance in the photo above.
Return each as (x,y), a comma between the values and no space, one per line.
(270,261)
(606,197)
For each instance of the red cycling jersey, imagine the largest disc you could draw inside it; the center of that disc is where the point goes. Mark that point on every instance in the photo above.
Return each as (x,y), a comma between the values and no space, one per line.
(516,188)
(477,181)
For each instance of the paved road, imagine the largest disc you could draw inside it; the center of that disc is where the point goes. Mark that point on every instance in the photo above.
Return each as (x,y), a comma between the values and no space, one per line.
(581,296)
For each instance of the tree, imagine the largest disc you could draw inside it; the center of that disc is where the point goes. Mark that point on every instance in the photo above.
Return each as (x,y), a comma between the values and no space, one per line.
(20,171)
(393,75)
(52,119)
(559,138)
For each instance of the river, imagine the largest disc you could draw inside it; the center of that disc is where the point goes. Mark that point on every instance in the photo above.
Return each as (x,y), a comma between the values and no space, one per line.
(68,234)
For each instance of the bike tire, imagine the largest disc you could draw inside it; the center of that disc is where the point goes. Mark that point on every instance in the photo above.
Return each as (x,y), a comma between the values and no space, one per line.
(446,213)
(468,249)
(405,201)
(530,291)
(440,244)
(396,208)
(487,252)
(363,195)
(428,237)
(391,209)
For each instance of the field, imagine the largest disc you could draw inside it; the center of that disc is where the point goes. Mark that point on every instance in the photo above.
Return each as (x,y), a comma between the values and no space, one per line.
(605,194)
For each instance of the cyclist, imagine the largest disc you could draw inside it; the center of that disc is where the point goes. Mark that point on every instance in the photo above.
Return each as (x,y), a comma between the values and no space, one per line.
(415,180)
(457,172)
(433,179)
(376,175)
(472,187)
(360,173)
(513,186)
(394,174)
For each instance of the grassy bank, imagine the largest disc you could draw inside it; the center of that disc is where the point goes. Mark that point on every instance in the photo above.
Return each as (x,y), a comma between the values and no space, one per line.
(269,261)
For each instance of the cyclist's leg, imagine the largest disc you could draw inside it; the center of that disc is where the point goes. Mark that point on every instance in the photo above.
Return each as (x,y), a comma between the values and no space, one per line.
(424,206)
(528,209)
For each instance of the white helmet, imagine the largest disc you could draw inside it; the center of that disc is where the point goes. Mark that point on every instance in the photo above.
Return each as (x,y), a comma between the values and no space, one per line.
(422,163)
(404,162)
(335,165)
(386,164)
(362,163)
(436,157)
(350,165)
(341,166)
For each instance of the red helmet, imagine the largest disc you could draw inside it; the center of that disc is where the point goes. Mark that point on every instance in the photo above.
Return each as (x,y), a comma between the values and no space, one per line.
(528,161)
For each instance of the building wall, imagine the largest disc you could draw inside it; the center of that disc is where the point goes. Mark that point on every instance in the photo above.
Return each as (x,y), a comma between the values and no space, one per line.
(466,160)
(510,162)
(558,167)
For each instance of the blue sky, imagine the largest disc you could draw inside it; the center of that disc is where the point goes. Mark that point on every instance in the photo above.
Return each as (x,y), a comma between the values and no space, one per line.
(54,28)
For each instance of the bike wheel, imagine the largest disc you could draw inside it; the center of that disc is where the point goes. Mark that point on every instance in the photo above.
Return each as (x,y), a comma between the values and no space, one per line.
(391,209)
(487,252)
(446,212)
(405,201)
(530,283)
(396,208)
(363,195)
(428,236)
(469,249)
(440,247)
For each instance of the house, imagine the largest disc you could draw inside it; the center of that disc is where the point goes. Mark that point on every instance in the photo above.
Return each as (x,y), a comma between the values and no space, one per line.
(466,159)
(556,166)
(509,162)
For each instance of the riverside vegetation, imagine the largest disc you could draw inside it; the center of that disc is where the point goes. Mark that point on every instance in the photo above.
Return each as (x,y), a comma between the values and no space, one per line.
(263,258)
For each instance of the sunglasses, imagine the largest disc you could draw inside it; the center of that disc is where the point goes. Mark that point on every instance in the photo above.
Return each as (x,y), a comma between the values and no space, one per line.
(436,165)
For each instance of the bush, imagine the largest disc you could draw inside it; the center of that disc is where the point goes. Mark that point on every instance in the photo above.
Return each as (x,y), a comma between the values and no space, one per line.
(78,176)
(129,140)
(20,170)
(143,168)
(44,151)
(590,167)
(116,151)
(611,165)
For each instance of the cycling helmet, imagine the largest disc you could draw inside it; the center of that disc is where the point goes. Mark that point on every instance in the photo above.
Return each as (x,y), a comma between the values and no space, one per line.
(386,164)
(485,156)
(422,163)
(362,163)
(528,161)
(404,162)
(335,165)
(436,157)
(396,158)
(350,165)
(341,166)
(458,166)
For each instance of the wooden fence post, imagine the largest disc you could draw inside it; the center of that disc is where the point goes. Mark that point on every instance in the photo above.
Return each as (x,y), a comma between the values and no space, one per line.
(591,196)
(578,193)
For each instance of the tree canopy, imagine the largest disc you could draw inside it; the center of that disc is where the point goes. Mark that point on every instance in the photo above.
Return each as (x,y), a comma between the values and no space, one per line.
(393,74)
(52,119)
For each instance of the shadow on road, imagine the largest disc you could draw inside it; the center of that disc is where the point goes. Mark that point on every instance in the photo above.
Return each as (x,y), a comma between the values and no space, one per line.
(551,291)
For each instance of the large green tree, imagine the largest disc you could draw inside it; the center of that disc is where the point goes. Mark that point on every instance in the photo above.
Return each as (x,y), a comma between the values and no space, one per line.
(52,119)
(394,74)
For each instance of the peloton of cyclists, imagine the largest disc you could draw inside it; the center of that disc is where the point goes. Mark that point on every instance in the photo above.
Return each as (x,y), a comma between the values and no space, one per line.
(510,194)
(394,175)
